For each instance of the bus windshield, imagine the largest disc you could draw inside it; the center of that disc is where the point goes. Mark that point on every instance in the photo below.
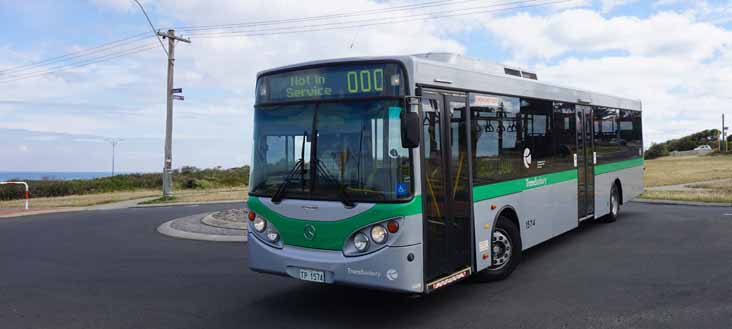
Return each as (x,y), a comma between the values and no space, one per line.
(324,150)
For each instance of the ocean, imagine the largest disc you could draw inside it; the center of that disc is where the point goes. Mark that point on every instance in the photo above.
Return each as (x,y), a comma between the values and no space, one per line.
(52,175)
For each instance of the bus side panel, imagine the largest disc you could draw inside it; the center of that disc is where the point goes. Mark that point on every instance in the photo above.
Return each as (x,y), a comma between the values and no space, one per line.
(485,219)
(548,211)
(543,213)
(631,181)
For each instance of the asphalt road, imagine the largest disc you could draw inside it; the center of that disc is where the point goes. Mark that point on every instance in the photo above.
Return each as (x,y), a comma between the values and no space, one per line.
(657,267)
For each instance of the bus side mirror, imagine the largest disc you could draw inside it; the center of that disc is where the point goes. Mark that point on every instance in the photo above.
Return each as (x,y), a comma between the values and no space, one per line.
(410,129)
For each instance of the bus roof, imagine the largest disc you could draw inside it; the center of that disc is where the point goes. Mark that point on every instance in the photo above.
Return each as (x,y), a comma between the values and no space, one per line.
(454,71)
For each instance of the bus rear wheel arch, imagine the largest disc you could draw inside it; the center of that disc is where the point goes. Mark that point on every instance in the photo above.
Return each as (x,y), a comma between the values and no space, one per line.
(506,250)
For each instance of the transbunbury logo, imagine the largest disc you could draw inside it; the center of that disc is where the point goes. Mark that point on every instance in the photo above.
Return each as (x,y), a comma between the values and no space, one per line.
(527,158)
(392,274)
(309,232)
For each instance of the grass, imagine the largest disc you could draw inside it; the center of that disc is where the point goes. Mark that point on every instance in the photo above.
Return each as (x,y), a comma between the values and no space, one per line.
(722,186)
(698,196)
(186,178)
(203,196)
(80,200)
(682,170)
(85,200)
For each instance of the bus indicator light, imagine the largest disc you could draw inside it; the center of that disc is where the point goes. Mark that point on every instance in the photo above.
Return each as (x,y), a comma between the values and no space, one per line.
(251,215)
(493,207)
(392,226)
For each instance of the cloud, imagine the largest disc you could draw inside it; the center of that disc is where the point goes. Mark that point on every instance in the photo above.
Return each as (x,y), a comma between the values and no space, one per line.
(665,34)
(608,5)
(119,5)
(216,74)
(679,67)
(675,62)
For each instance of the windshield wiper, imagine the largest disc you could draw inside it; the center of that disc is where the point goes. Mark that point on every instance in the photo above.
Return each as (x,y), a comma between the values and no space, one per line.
(342,188)
(299,165)
(277,197)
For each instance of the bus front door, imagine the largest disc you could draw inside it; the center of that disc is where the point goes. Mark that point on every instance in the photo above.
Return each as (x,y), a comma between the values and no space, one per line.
(585,163)
(446,185)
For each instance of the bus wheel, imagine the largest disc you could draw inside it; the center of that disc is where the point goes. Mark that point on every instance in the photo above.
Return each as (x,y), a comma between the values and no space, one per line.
(505,250)
(614,205)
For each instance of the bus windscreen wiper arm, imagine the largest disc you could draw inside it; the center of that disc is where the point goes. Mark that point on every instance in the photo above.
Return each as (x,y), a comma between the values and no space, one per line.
(277,197)
(342,192)
(300,164)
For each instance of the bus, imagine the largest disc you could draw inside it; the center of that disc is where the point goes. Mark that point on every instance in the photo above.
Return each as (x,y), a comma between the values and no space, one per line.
(412,173)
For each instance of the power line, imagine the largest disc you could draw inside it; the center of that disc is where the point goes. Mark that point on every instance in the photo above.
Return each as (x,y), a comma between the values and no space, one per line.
(367,20)
(70,64)
(155,33)
(336,15)
(80,53)
(144,35)
(69,60)
(375,22)
(67,67)
(505,6)
(239,30)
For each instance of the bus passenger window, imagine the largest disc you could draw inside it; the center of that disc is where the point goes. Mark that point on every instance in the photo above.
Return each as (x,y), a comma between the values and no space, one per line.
(497,143)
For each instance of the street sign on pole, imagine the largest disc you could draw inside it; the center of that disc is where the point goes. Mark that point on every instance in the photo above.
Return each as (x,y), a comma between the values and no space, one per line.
(178,97)
(176,90)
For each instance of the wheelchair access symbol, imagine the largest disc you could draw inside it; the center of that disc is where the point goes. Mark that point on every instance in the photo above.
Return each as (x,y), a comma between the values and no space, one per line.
(401,189)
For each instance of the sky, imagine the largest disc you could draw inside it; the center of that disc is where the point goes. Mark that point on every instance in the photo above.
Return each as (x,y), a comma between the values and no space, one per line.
(674,55)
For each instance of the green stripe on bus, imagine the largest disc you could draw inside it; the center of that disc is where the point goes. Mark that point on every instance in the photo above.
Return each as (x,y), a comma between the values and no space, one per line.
(495,190)
(331,235)
(620,165)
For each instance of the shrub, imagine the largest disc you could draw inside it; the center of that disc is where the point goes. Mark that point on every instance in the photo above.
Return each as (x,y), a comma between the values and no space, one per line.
(656,151)
(186,177)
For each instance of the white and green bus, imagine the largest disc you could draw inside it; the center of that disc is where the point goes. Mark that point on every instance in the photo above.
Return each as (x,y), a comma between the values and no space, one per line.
(410,173)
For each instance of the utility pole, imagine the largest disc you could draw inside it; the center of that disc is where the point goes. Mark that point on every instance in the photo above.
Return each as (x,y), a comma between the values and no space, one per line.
(114,142)
(167,166)
(724,137)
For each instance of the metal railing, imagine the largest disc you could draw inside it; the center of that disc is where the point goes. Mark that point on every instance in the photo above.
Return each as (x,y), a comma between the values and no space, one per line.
(27,193)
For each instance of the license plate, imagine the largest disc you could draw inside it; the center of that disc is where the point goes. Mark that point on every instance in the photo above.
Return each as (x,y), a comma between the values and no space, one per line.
(312,275)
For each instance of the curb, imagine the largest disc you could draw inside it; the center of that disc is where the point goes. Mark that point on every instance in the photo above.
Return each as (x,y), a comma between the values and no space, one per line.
(683,203)
(173,204)
(41,212)
(168,230)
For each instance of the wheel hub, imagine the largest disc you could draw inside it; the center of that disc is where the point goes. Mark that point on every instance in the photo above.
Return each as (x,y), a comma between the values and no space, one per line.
(501,248)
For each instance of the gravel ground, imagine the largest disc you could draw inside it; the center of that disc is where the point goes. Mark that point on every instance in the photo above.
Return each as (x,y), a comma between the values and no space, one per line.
(193,224)
(233,215)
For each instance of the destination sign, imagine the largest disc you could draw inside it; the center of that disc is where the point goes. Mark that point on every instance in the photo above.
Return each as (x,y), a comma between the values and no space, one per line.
(332,82)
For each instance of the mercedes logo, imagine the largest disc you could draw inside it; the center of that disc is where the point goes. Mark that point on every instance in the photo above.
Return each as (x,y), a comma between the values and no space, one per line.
(309,232)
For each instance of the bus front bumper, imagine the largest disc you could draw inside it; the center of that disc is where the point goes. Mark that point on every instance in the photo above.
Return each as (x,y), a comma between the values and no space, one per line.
(388,268)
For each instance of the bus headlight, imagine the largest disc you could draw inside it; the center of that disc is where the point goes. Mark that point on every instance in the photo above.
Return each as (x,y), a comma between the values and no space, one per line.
(260,224)
(361,242)
(378,234)
(266,232)
(372,237)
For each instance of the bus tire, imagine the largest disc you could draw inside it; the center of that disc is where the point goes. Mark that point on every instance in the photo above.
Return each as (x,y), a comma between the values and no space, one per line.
(614,205)
(505,235)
